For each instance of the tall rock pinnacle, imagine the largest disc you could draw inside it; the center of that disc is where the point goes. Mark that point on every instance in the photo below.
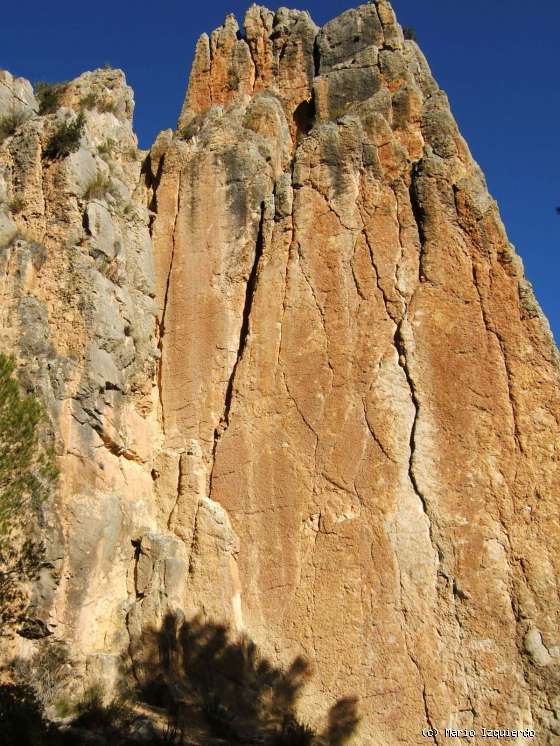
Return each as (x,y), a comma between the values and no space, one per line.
(297,381)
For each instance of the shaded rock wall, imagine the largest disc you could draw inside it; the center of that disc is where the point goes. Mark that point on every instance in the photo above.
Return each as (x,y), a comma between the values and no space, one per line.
(327,414)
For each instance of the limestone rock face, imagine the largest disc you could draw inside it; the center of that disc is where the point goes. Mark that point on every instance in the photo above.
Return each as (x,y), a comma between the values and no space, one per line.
(78,313)
(299,383)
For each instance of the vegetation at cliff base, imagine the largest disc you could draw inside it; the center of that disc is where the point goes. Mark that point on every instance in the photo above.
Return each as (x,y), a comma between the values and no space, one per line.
(195,683)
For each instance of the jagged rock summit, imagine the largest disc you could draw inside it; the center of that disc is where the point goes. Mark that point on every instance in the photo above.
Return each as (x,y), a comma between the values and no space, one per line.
(296,381)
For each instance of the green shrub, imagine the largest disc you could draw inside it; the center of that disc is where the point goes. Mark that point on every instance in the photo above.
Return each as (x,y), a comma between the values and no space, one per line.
(192,128)
(26,469)
(66,139)
(63,707)
(109,268)
(409,33)
(232,81)
(8,238)
(16,204)
(46,672)
(99,187)
(22,722)
(129,210)
(89,101)
(112,719)
(10,122)
(48,95)
(27,473)
(107,105)
(107,148)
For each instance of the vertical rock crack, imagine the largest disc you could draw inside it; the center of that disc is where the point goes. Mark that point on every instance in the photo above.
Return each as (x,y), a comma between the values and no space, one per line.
(250,289)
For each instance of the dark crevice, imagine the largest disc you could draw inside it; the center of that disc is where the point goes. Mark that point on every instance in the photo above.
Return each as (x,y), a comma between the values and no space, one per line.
(116,449)
(419,216)
(401,350)
(85,224)
(282,51)
(161,323)
(456,192)
(177,491)
(304,116)
(400,347)
(110,386)
(458,593)
(316,56)
(243,333)
(152,181)
(166,294)
(136,543)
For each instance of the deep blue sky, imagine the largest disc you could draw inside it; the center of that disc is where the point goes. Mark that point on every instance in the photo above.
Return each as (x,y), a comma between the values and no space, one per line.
(497,60)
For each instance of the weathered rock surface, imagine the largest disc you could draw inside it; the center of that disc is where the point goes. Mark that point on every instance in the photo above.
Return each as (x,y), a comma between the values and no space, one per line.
(78,313)
(299,383)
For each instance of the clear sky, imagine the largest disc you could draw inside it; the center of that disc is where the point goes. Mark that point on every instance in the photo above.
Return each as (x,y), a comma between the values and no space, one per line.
(497,60)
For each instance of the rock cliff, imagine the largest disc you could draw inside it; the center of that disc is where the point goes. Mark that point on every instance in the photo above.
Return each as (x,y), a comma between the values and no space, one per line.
(296,381)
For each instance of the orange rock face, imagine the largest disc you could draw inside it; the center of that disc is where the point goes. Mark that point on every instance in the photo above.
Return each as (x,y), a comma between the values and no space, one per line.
(355,413)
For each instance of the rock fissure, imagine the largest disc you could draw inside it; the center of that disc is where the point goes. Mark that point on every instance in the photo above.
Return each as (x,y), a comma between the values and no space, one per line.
(194,541)
(117,449)
(320,312)
(161,325)
(244,332)
(383,443)
(178,489)
(390,313)
(398,263)
(291,247)
(418,213)
(298,409)
(400,347)
(250,292)
(374,436)
(499,340)
(412,658)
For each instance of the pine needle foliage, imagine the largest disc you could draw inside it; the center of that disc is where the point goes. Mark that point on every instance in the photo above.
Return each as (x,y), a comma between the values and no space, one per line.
(27,469)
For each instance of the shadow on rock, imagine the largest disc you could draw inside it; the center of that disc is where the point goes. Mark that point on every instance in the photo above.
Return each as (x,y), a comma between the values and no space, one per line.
(217,689)
(194,685)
